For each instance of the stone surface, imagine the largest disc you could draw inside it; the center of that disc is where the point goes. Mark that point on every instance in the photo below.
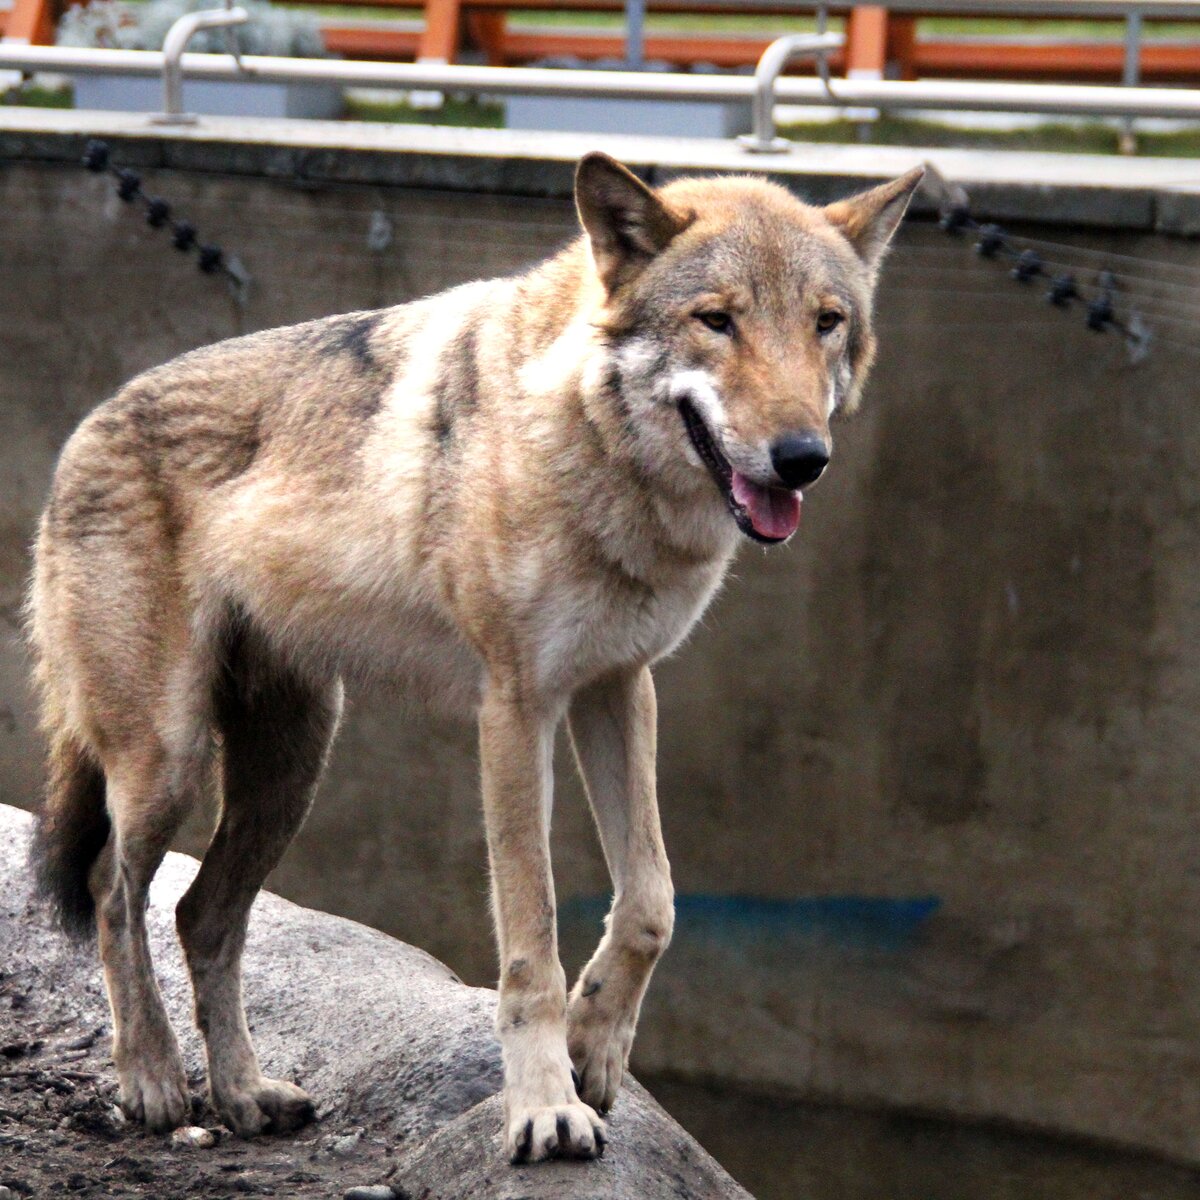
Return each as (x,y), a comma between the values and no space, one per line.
(397,1053)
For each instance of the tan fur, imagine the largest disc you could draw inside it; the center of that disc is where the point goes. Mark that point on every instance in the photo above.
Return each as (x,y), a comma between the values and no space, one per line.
(489,499)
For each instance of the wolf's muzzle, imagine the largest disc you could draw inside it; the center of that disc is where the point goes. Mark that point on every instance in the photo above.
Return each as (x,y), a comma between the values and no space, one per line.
(766,514)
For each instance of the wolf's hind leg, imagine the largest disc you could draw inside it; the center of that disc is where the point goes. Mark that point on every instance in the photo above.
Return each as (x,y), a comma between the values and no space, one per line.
(613,731)
(276,730)
(148,796)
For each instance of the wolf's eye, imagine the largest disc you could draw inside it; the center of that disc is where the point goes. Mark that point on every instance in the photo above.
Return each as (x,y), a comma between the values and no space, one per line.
(718,322)
(828,320)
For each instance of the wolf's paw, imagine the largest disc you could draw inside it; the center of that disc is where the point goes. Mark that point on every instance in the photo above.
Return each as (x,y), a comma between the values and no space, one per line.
(558,1131)
(156,1094)
(265,1106)
(600,1065)
(599,1045)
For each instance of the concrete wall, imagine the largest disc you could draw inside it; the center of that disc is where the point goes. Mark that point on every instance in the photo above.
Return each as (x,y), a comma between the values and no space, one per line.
(927,775)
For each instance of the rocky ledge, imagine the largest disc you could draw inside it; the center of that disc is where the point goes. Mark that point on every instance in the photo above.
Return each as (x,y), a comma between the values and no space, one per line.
(396,1051)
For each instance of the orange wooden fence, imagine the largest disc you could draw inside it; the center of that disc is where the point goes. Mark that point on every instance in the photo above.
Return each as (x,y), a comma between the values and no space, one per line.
(878,42)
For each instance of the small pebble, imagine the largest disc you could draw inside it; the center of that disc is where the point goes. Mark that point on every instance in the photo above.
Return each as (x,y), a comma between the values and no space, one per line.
(85,1042)
(375,1191)
(346,1145)
(192,1137)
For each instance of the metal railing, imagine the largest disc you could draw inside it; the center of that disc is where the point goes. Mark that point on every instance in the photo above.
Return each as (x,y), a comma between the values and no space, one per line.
(883,94)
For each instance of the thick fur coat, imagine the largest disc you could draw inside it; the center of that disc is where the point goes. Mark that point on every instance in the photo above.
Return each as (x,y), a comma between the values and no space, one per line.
(509,500)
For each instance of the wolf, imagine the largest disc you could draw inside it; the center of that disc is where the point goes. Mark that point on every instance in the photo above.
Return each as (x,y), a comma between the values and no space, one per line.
(510,500)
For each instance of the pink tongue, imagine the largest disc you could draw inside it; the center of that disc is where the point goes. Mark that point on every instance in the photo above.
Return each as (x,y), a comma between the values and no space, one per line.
(774,512)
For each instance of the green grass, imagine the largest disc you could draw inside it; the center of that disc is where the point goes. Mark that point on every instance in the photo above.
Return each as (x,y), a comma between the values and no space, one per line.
(667,22)
(31,96)
(1082,31)
(1087,138)
(455,111)
(999,27)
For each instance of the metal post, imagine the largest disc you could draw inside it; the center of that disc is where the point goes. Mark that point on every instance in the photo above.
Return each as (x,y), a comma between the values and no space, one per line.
(1131,73)
(775,57)
(174,45)
(635,34)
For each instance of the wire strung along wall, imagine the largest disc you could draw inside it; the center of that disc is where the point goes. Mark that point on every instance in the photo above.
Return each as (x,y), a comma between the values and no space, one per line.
(185,237)
(1107,299)
(1148,303)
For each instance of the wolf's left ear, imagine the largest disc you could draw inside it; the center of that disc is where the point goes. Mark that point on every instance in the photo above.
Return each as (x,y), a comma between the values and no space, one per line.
(625,221)
(869,219)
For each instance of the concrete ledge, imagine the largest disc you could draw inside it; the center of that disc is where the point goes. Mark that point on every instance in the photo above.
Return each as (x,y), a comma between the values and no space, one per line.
(397,1053)
(1144,194)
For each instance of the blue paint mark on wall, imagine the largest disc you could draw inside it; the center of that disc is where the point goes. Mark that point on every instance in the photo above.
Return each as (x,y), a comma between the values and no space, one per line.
(879,923)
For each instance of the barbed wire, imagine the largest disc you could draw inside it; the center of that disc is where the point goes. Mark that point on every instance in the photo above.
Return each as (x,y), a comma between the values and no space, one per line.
(1064,288)
(185,237)
(949,260)
(1113,290)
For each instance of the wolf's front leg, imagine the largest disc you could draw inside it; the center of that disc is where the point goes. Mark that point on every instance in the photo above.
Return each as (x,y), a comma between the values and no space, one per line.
(544,1117)
(613,729)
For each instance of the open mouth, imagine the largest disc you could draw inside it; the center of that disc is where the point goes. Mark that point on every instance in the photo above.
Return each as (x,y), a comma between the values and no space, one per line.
(765,514)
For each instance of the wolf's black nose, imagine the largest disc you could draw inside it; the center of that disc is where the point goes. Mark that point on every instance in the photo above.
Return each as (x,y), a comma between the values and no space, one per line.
(799,458)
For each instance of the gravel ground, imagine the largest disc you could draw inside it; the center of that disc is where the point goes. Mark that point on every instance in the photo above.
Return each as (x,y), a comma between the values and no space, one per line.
(61,1132)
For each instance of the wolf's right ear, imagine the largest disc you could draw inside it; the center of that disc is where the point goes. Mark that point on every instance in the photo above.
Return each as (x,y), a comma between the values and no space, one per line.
(869,219)
(625,221)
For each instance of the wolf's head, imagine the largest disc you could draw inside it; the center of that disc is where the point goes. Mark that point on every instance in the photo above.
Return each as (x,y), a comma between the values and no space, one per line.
(739,321)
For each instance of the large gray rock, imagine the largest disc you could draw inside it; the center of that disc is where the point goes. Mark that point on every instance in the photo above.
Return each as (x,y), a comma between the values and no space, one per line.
(396,1051)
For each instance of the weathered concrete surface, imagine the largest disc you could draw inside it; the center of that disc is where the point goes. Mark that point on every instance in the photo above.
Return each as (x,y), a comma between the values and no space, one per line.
(927,775)
(1097,190)
(386,1039)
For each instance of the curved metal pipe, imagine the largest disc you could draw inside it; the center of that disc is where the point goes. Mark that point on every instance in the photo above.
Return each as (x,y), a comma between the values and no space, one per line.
(174,45)
(775,57)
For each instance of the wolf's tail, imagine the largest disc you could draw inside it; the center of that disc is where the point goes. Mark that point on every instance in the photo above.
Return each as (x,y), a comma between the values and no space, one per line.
(72,828)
